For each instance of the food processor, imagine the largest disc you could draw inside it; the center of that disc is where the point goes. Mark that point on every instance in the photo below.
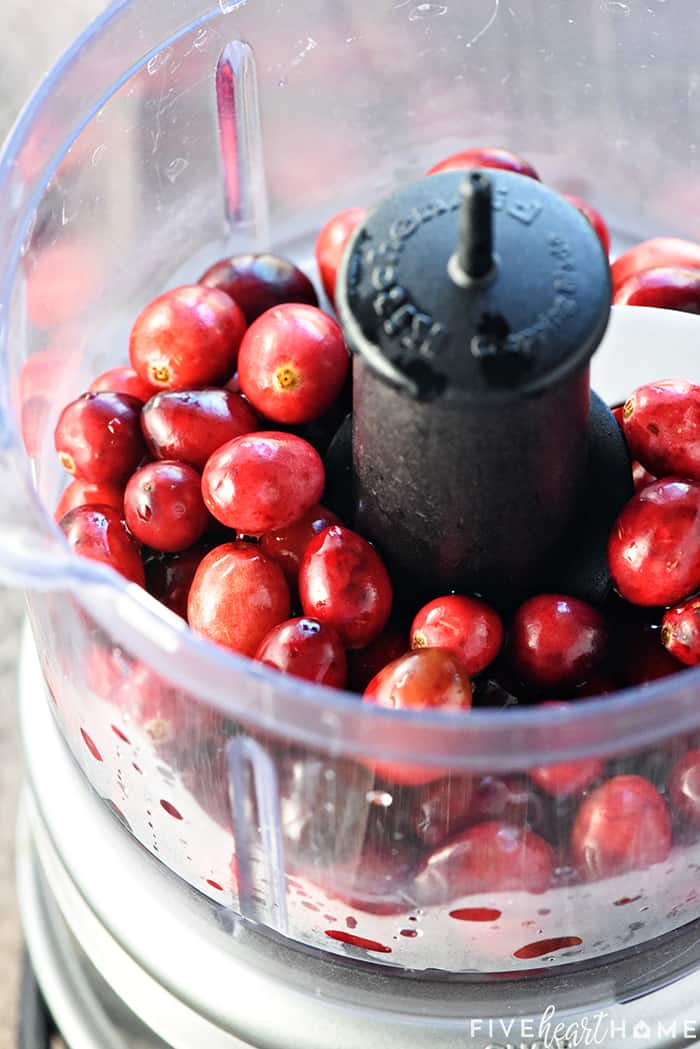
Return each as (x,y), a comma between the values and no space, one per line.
(246,879)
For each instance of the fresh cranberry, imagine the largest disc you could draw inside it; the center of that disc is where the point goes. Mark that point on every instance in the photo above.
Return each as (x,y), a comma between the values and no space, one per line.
(490,857)
(305,648)
(379,883)
(485,158)
(466,626)
(164,507)
(293,363)
(87,493)
(331,244)
(641,476)
(122,380)
(99,533)
(365,663)
(666,288)
(566,779)
(651,254)
(442,808)
(169,577)
(594,217)
(684,787)
(644,657)
(237,596)
(654,547)
(680,631)
(622,826)
(190,425)
(507,799)
(286,546)
(557,641)
(343,582)
(98,437)
(259,282)
(661,424)
(262,481)
(187,337)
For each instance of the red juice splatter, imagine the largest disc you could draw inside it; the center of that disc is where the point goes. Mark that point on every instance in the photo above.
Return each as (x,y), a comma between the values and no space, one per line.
(357,941)
(476,914)
(89,743)
(171,810)
(542,947)
(624,900)
(309,906)
(351,922)
(120,735)
(215,885)
(409,932)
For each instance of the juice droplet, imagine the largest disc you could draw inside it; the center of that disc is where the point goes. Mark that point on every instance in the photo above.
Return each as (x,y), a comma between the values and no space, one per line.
(171,810)
(624,900)
(120,735)
(542,947)
(89,743)
(351,922)
(309,906)
(357,941)
(409,932)
(215,885)
(476,914)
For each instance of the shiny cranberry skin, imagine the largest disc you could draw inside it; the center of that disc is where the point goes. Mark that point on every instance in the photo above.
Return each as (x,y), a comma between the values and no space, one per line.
(490,857)
(466,626)
(100,534)
(237,596)
(485,158)
(164,508)
(507,799)
(122,380)
(293,363)
(594,217)
(190,425)
(661,423)
(263,481)
(652,254)
(654,547)
(666,288)
(684,787)
(442,808)
(365,663)
(98,437)
(557,640)
(644,657)
(88,493)
(569,778)
(287,545)
(305,648)
(331,244)
(187,337)
(680,631)
(622,826)
(343,582)
(259,282)
(169,578)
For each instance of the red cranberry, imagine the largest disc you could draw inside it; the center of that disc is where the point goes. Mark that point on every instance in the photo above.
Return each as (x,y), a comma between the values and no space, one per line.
(622,826)
(98,437)
(644,657)
(442,808)
(507,799)
(365,663)
(343,582)
(305,648)
(122,380)
(190,425)
(99,533)
(262,481)
(466,626)
(485,158)
(680,631)
(654,547)
(164,508)
(259,282)
(594,217)
(169,578)
(380,883)
(237,596)
(651,254)
(661,423)
(293,363)
(286,546)
(684,787)
(666,288)
(566,779)
(557,640)
(331,244)
(490,857)
(87,493)
(641,477)
(187,337)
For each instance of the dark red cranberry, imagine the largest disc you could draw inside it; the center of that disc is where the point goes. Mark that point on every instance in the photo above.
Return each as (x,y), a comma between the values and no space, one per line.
(262,481)
(684,788)
(485,158)
(680,631)
(287,545)
(190,425)
(259,282)
(469,628)
(343,582)
(305,648)
(650,254)
(379,882)
(666,288)
(187,337)
(331,244)
(122,380)
(169,578)
(88,493)
(622,826)
(99,533)
(594,217)
(164,508)
(98,437)
(654,547)
(237,596)
(293,363)
(661,423)
(442,808)
(644,657)
(507,799)
(365,663)
(566,779)
(557,641)
(641,477)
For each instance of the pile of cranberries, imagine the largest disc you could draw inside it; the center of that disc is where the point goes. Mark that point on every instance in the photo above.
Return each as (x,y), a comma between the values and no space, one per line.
(198,473)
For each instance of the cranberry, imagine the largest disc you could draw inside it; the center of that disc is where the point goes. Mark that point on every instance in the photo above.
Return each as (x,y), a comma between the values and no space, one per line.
(566,779)
(641,476)
(654,548)
(507,799)
(190,425)
(87,493)
(187,337)
(680,631)
(286,546)
(557,640)
(651,254)
(490,857)
(343,582)
(331,244)
(644,657)
(466,626)
(594,217)
(485,158)
(622,826)
(99,533)
(293,363)
(259,282)
(379,883)
(262,481)
(365,663)
(661,422)
(665,287)
(237,596)
(122,380)
(684,787)
(98,437)
(164,508)
(305,648)
(442,808)
(169,578)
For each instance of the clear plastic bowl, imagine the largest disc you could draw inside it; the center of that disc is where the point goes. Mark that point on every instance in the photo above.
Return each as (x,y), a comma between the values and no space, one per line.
(169,136)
